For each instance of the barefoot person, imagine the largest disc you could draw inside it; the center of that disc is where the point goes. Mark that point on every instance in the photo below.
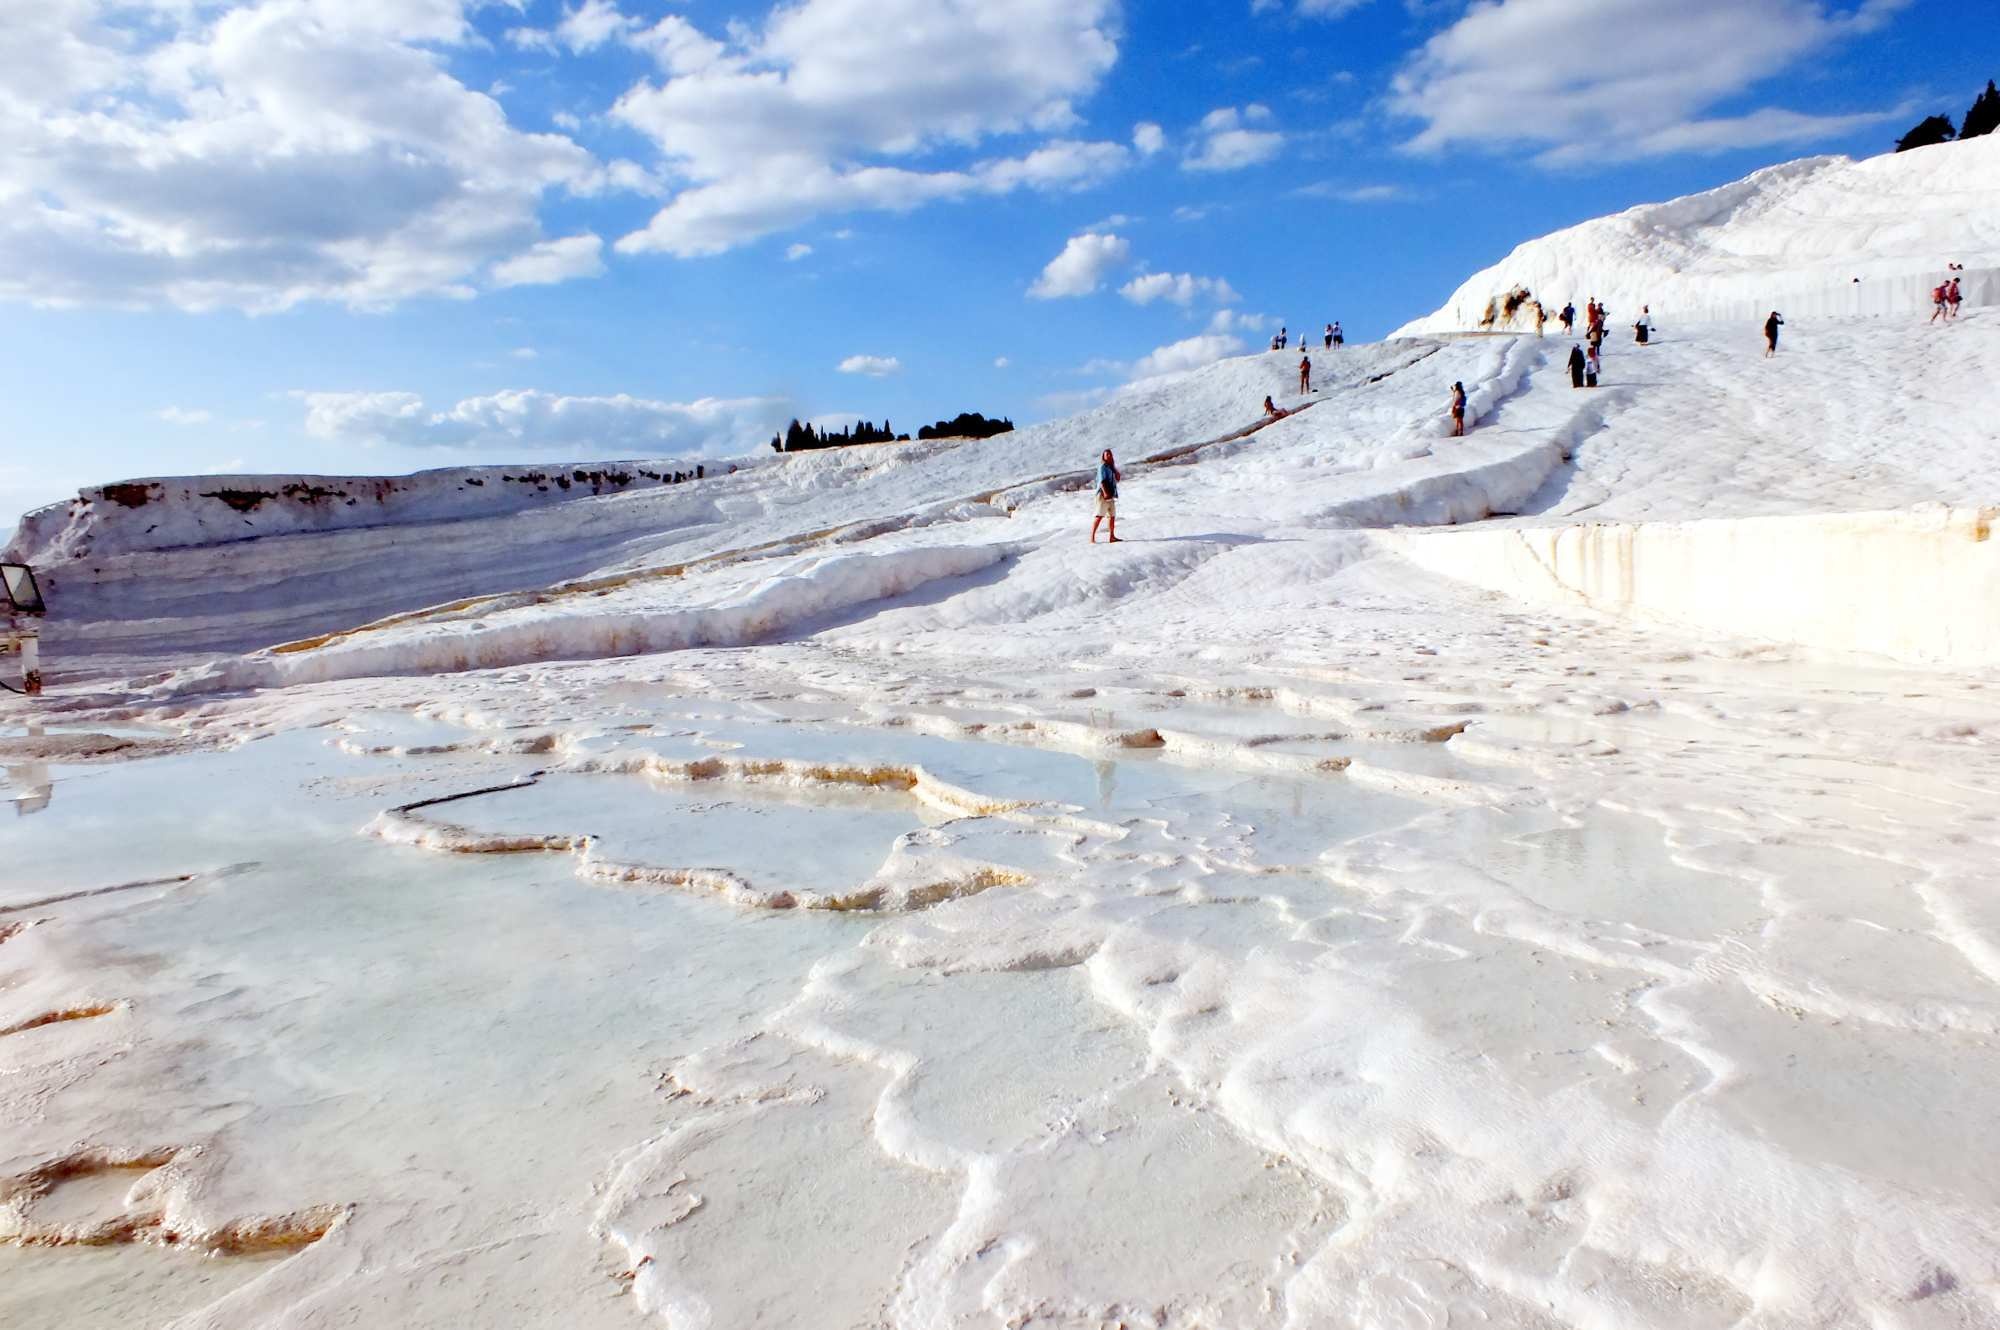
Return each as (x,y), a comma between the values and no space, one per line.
(1305,374)
(1457,409)
(1107,497)
(1771,326)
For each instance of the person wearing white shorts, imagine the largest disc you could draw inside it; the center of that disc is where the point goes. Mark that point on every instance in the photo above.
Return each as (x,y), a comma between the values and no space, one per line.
(1107,497)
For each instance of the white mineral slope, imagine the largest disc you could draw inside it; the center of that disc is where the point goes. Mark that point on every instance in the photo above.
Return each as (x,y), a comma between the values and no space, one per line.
(136,516)
(1793,237)
(1305,935)
(1370,437)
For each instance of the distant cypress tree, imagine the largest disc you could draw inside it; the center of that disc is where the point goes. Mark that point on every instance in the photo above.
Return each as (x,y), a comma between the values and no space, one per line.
(1984,117)
(1930,130)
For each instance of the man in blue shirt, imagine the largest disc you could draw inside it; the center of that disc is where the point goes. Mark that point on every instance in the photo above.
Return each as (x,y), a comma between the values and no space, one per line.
(1107,497)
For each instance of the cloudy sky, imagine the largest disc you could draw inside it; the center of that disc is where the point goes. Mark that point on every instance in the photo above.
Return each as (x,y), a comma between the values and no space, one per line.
(378,235)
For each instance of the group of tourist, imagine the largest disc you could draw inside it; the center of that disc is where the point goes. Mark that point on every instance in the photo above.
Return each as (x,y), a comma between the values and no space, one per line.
(1332,337)
(1945,300)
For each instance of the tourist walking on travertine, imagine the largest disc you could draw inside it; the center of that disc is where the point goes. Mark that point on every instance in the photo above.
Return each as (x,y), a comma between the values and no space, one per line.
(1457,409)
(1541,318)
(1576,365)
(1771,326)
(1107,497)
(1953,297)
(1591,368)
(1642,331)
(1569,318)
(1305,374)
(1940,299)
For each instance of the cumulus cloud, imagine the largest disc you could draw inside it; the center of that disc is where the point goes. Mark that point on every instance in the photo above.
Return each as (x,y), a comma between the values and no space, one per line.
(1082,266)
(766,126)
(1225,141)
(793,253)
(257,156)
(1229,320)
(524,421)
(1148,138)
(1186,354)
(1634,79)
(1180,289)
(1001,362)
(552,261)
(875,367)
(181,415)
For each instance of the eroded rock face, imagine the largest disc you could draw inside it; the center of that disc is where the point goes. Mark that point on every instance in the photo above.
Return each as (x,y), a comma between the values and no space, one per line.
(135,516)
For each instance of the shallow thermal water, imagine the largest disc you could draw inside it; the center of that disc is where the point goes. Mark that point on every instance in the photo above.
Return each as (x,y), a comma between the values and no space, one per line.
(1178,1042)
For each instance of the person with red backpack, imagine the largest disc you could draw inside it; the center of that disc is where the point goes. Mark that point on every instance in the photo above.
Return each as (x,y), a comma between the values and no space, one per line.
(1940,294)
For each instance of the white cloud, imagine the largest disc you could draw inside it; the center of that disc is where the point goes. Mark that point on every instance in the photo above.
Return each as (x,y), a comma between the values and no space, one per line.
(1327,189)
(1001,362)
(793,253)
(1224,141)
(525,353)
(587,26)
(552,261)
(1082,266)
(181,415)
(524,422)
(1062,164)
(1309,8)
(1080,399)
(275,152)
(1186,354)
(1177,288)
(1634,79)
(1229,320)
(770,125)
(875,367)
(1148,138)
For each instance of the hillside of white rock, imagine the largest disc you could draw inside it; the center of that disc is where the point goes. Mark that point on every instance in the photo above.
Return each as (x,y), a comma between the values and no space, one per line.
(1541,878)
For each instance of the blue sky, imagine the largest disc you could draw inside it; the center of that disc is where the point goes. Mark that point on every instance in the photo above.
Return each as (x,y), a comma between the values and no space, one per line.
(379,235)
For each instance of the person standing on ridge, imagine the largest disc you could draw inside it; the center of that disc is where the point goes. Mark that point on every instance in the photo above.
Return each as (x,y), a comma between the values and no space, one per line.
(1108,477)
(1283,337)
(1771,326)
(1329,337)
(1457,410)
(1568,317)
(1576,365)
(1591,367)
(1305,374)
(1339,338)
